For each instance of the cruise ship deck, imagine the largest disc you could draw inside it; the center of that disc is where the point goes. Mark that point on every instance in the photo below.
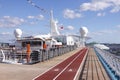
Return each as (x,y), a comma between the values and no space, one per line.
(88,68)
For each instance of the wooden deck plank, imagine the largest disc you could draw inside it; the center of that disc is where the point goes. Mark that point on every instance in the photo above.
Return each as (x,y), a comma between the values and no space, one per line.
(90,74)
(93,69)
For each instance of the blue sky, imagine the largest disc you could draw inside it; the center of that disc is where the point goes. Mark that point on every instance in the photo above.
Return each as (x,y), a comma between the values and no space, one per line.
(101,17)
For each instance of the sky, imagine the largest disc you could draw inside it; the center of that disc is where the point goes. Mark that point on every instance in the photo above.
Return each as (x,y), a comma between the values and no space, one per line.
(101,17)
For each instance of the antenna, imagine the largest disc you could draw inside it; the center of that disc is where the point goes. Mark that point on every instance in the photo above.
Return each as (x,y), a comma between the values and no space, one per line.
(51,14)
(51,21)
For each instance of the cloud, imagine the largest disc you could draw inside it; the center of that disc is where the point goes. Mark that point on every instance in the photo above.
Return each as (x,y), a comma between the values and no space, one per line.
(115,9)
(100,5)
(6,36)
(70,27)
(100,14)
(71,14)
(7,21)
(39,17)
(94,6)
(30,17)
(103,32)
(115,5)
(34,19)
(32,23)
(5,33)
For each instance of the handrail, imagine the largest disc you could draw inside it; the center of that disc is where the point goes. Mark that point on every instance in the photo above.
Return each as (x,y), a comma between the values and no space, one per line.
(2,55)
(110,62)
(19,56)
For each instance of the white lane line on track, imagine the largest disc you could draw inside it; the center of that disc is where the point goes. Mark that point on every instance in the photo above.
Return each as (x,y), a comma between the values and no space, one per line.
(53,66)
(67,66)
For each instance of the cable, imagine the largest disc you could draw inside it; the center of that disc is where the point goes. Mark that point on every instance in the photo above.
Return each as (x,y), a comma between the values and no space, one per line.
(34,5)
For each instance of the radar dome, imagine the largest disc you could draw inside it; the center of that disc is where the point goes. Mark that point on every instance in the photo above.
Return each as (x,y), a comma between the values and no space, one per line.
(17,33)
(83,31)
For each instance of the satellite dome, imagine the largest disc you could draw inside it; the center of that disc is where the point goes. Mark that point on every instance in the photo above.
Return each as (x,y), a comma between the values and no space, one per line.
(17,33)
(83,31)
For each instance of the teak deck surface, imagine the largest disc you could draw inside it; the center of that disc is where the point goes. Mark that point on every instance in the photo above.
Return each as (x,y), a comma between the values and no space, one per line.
(93,69)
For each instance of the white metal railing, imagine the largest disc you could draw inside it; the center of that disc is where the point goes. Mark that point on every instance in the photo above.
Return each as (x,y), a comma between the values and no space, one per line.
(6,56)
(112,60)
(20,56)
(2,56)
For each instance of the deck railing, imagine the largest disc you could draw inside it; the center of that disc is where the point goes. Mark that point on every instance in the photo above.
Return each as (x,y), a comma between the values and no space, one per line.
(50,53)
(112,62)
(36,56)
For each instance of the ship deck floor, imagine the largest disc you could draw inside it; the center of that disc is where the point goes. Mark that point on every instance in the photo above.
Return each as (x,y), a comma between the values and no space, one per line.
(93,69)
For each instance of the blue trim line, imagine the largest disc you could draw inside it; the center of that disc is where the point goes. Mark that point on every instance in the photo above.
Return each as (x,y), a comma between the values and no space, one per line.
(109,70)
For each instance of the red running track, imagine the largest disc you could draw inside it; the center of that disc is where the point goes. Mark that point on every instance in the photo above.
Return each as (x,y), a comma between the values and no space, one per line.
(66,70)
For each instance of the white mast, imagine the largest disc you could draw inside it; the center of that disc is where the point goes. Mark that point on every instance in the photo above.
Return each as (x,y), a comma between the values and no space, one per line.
(54,26)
